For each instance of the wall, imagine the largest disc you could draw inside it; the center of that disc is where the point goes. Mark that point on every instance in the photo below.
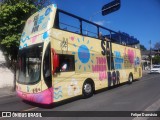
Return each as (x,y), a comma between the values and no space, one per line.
(6,75)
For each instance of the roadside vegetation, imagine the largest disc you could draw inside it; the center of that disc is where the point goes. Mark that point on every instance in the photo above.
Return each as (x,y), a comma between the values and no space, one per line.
(13,15)
(156,59)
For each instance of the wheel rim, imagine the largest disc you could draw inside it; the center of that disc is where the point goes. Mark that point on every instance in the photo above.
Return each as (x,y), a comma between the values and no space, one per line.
(87,88)
(130,79)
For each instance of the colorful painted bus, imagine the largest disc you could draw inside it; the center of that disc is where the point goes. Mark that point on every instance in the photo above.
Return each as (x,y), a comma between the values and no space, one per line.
(62,56)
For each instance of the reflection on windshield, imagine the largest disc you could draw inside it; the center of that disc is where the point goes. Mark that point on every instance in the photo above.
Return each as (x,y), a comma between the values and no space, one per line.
(30,64)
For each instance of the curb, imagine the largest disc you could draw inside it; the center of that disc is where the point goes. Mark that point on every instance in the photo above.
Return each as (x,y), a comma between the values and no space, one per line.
(7,91)
(8,95)
(145,72)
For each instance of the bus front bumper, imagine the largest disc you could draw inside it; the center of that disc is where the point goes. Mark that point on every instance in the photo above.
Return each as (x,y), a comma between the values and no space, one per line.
(44,97)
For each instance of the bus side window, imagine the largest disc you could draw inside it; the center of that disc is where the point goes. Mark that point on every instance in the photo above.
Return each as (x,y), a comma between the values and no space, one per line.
(66,63)
(68,23)
(89,29)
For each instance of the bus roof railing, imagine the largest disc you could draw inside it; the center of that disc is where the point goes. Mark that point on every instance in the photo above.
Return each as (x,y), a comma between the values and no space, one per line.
(116,37)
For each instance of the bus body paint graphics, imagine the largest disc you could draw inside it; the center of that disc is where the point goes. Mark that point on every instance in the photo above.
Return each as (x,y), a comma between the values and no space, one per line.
(84,56)
(44,97)
(83,53)
(131,56)
(40,22)
(100,67)
(73,88)
(118,60)
(58,93)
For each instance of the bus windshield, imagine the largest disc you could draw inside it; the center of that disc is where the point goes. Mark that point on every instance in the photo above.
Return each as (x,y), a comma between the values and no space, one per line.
(29,64)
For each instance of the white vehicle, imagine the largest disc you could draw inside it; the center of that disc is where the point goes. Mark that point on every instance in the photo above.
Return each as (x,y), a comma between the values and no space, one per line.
(155,69)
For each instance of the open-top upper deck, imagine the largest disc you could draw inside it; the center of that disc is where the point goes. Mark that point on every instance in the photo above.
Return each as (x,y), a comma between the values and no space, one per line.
(69,22)
(38,25)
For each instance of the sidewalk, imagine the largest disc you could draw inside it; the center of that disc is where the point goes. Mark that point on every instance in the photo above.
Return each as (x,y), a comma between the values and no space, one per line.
(7,91)
(145,72)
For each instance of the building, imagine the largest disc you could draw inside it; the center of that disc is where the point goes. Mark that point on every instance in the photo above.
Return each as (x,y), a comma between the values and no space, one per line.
(6,75)
(146,61)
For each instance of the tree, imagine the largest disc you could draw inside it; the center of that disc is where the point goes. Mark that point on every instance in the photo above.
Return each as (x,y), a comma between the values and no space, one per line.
(157,46)
(156,60)
(142,47)
(13,15)
(42,3)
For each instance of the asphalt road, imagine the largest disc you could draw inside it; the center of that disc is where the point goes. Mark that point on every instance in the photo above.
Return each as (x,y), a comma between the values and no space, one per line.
(141,95)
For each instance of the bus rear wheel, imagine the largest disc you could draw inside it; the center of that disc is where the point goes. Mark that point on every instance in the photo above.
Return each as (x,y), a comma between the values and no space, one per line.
(87,89)
(130,79)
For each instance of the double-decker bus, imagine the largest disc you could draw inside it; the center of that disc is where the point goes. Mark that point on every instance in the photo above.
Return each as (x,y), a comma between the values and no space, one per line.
(62,56)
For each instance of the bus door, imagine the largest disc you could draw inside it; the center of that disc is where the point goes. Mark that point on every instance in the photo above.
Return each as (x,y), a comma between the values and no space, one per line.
(108,56)
(108,53)
(47,75)
(110,63)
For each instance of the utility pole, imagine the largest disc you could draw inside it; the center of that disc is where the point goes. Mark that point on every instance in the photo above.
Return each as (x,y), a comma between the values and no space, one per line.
(106,9)
(150,55)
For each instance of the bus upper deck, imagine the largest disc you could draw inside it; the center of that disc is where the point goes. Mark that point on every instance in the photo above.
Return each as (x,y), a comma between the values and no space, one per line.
(52,17)
(88,28)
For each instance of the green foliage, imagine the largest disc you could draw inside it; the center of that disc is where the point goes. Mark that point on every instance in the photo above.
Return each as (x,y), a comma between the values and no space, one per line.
(156,60)
(42,3)
(142,47)
(13,14)
(157,46)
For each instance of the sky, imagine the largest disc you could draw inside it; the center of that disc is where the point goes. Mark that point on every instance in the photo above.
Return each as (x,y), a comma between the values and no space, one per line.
(138,18)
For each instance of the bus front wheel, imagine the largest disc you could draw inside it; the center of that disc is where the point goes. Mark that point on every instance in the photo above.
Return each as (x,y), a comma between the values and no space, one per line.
(87,89)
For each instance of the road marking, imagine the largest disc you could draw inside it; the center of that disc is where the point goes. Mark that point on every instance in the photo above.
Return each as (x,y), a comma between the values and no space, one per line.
(148,78)
(154,107)
(7,95)
(29,109)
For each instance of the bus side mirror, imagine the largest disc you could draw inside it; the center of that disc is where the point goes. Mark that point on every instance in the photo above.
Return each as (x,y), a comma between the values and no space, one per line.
(55,61)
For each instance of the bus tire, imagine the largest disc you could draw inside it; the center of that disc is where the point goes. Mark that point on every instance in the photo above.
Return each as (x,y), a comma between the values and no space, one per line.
(130,78)
(88,89)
